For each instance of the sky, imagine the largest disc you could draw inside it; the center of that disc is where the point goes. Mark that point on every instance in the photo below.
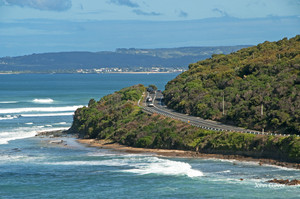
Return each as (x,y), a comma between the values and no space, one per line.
(38,26)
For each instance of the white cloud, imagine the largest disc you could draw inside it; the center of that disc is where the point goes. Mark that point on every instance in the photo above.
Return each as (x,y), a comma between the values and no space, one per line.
(127,3)
(50,5)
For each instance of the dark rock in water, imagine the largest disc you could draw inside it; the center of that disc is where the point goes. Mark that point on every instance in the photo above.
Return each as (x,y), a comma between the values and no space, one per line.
(52,134)
(56,141)
(285,182)
(294,182)
(16,149)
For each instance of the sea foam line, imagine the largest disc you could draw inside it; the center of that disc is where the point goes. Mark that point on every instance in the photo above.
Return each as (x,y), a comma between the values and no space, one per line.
(8,117)
(165,167)
(22,133)
(143,166)
(8,102)
(40,109)
(43,101)
(47,114)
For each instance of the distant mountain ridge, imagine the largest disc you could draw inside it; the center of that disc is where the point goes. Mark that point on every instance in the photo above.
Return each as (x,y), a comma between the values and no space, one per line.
(122,58)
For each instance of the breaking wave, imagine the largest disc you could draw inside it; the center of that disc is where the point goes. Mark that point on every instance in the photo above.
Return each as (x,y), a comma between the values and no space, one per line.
(8,102)
(143,166)
(8,117)
(47,114)
(22,133)
(39,109)
(43,101)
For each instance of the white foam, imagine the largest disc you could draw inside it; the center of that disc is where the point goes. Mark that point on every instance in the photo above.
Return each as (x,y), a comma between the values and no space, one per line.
(29,123)
(43,101)
(8,117)
(226,171)
(90,163)
(60,123)
(22,133)
(8,158)
(5,137)
(39,109)
(165,167)
(8,102)
(143,166)
(48,114)
(280,167)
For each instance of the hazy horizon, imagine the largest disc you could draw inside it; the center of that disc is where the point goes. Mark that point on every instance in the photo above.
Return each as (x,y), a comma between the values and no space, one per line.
(32,26)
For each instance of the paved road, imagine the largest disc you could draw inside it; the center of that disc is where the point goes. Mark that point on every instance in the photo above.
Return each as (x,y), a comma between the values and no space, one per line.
(161,109)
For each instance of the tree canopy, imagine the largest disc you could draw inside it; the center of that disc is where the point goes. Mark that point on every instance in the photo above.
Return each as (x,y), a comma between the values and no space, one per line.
(260,85)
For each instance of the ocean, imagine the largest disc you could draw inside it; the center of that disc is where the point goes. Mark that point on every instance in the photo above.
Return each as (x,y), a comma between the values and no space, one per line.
(30,167)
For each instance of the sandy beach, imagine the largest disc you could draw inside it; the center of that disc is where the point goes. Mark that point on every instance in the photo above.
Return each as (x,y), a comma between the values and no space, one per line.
(108,144)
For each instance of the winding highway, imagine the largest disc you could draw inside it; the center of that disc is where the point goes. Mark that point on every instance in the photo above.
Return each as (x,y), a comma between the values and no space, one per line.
(159,108)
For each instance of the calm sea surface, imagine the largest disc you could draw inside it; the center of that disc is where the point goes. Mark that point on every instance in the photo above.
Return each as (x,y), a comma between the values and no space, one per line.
(32,168)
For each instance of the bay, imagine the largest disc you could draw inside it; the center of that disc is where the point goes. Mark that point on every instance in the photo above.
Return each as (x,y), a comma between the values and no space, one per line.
(32,168)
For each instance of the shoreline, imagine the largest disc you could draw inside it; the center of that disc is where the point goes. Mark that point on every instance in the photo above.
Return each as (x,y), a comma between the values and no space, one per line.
(108,144)
(140,72)
(173,153)
(12,73)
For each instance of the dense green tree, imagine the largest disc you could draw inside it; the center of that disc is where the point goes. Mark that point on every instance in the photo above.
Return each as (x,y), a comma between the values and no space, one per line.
(118,118)
(265,75)
(152,86)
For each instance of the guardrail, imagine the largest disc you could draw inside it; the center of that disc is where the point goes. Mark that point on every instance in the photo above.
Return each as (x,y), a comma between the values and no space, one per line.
(150,110)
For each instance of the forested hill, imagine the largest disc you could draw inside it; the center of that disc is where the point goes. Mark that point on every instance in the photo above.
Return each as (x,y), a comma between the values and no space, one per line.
(122,58)
(260,85)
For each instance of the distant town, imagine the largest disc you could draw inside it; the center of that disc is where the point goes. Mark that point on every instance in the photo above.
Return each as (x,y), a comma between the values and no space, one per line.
(132,70)
(107,70)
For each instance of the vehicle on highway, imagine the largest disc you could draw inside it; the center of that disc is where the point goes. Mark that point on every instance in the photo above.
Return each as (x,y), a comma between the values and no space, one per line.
(149,99)
(150,105)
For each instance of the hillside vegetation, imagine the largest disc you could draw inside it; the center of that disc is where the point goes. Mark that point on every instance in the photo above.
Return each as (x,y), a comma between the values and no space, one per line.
(260,85)
(117,117)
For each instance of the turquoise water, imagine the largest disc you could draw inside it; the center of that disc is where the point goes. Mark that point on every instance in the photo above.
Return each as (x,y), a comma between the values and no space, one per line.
(31,168)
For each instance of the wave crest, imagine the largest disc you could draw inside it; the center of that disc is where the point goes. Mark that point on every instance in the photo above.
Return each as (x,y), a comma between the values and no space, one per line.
(8,117)
(22,133)
(8,102)
(43,101)
(39,109)
(165,167)
(48,114)
(143,166)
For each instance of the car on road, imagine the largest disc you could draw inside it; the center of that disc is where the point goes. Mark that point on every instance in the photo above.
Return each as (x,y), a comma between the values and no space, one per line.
(149,99)
(150,105)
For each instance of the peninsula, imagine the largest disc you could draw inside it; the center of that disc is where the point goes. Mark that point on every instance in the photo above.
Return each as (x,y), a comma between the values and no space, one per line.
(119,119)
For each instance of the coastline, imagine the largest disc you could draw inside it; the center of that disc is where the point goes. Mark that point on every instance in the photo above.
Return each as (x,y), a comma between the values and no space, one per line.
(18,72)
(108,144)
(139,72)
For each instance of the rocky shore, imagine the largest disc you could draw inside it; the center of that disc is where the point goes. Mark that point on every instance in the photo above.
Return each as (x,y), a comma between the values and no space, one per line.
(56,138)
(108,144)
(285,182)
(57,133)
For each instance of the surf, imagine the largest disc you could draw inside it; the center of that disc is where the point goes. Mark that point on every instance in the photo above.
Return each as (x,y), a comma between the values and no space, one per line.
(22,133)
(142,166)
(43,101)
(39,109)
(47,114)
(9,117)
